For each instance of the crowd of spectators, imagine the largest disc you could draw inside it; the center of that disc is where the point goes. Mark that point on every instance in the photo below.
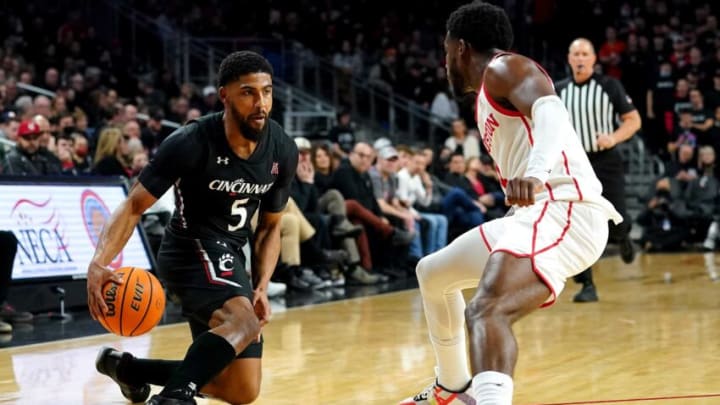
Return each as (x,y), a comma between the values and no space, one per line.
(353,200)
(348,205)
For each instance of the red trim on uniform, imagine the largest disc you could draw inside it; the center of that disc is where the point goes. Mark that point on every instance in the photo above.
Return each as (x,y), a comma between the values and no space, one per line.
(547,76)
(513,253)
(542,69)
(535,270)
(547,284)
(477,104)
(535,225)
(577,186)
(562,235)
(205,266)
(549,189)
(503,180)
(529,130)
(567,170)
(484,238)
(502,110)
(532,256)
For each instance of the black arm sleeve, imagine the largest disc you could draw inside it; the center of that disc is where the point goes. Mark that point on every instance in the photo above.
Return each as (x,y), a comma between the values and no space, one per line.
(276,198)
(180,154)
(618,97)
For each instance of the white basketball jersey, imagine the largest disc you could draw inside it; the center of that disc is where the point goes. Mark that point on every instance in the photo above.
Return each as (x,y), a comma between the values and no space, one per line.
(508,137)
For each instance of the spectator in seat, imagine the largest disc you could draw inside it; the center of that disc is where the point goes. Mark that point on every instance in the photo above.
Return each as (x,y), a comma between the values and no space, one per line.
(461,141)
(153,134)
(81,153)
(24,159)
(354,183)
(323,165)
(111,154)
(702,118)
(684,134)
(342,134)
(384,182)
(412,190)
(48,144)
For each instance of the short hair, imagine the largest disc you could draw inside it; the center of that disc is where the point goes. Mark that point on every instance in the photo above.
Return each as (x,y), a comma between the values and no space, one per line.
(482,25)
(242,63)
(407,149)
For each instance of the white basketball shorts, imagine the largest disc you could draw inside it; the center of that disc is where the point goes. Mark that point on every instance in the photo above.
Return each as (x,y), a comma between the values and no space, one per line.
(561,238)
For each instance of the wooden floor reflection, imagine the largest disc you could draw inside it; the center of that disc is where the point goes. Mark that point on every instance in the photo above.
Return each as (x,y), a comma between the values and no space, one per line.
(645,339)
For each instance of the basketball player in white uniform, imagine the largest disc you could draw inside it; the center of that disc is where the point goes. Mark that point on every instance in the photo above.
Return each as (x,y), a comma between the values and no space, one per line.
(520,262)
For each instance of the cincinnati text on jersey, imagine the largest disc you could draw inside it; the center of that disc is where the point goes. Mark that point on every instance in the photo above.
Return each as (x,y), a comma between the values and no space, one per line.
(239,186)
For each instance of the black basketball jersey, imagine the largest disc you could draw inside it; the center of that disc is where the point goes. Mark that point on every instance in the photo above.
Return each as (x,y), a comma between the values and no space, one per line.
(217,192)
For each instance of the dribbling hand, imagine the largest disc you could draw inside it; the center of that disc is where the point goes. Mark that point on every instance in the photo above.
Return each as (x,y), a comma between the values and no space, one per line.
(97,276)
(521,191)
(262,306)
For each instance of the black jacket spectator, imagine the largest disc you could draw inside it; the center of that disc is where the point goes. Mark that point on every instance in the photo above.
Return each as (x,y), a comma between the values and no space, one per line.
(305,195)
(20,163)
(355,186)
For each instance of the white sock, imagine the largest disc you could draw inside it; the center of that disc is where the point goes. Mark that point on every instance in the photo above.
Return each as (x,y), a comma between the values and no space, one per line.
(451,355)
(492,388)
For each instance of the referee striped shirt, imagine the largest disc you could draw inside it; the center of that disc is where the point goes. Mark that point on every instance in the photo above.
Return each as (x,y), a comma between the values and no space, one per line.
(594,106)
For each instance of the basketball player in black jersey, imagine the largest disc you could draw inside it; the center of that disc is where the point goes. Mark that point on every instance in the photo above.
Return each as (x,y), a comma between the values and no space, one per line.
(223,167)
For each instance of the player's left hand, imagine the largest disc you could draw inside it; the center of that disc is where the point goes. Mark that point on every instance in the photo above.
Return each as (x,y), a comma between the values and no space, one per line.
(521,190)
(605,141)
(262,306)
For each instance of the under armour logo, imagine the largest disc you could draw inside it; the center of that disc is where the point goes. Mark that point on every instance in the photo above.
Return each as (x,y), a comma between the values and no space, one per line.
(274,171)
(223,160)
(221,243)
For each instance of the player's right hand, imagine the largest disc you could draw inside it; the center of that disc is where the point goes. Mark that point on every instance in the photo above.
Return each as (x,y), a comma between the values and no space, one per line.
(97,277)
(521,191)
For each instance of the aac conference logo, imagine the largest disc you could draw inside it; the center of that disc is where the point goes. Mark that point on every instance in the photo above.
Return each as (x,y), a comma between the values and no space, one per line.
(95,214)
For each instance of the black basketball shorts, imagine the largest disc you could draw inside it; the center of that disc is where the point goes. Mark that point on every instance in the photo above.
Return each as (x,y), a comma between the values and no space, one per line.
(202,274)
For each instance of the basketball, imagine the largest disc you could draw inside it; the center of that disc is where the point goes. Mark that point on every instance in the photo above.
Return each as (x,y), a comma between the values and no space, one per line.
(135,306)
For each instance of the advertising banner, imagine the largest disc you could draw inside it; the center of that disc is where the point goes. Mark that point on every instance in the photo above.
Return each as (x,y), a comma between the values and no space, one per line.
(58,226)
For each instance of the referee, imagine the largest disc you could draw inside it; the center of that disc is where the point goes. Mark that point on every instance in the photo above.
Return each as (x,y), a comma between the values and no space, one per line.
(595,103)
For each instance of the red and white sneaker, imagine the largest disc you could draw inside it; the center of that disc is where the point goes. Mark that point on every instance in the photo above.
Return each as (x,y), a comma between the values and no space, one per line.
(436,394)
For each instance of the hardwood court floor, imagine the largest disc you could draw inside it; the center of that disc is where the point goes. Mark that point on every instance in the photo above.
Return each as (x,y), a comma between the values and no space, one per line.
(646,339)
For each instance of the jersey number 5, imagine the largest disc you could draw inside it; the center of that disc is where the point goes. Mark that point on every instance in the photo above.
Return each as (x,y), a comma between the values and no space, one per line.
(238,209)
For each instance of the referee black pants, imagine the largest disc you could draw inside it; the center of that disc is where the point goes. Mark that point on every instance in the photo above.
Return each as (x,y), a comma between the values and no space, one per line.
(610,170)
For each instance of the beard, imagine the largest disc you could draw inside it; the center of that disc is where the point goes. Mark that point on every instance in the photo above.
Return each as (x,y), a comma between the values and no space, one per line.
(466,107)
(465,98)
(456,82)
(245,128)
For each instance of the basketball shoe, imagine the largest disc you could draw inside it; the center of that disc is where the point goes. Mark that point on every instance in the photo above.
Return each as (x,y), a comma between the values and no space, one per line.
(107,363)
(161,400)
(436,394)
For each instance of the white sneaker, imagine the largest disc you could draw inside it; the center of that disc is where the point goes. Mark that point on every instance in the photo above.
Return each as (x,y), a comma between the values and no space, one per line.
(276,289)
(435,394)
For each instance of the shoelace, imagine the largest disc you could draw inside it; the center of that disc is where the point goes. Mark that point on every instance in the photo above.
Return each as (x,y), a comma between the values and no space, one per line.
(425,394)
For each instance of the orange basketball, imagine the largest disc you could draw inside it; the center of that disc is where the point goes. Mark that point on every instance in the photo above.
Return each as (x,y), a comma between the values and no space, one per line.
(135,306)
